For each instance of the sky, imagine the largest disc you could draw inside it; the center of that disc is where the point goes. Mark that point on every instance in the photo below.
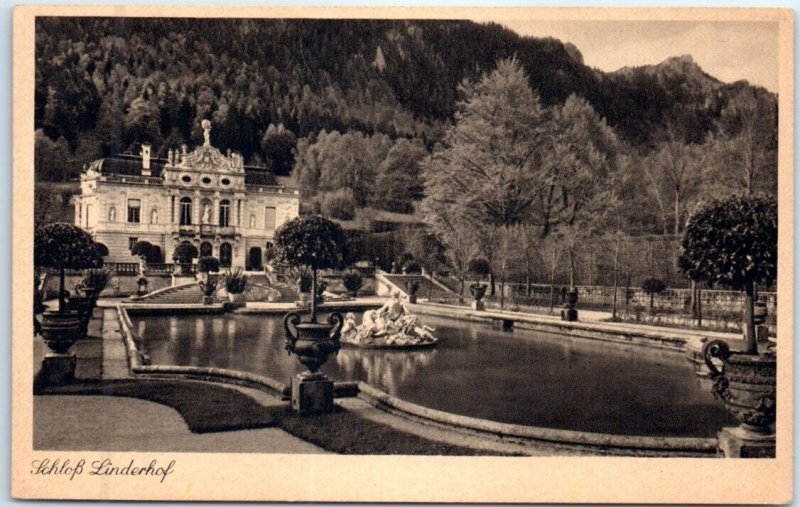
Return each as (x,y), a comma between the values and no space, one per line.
(729,51)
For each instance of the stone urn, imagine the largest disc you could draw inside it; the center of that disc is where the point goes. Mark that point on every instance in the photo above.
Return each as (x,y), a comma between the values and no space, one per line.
(312,342)
(746,383)
(60,330)
(478,291)
(569,311)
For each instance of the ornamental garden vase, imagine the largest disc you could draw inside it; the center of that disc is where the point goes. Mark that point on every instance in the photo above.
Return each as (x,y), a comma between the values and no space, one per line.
(60,330)
(312,342)
(745,383)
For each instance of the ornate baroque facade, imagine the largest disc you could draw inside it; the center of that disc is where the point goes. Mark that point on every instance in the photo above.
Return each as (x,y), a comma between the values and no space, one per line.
(214,201)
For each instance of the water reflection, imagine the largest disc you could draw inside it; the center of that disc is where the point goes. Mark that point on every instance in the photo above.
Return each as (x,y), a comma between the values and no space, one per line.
(386,369)
(524,377)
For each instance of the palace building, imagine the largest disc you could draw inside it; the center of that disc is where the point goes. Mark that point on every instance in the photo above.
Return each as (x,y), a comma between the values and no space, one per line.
(214,201)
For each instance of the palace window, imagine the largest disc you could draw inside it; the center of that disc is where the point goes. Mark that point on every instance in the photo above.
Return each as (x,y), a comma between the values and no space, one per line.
(269,218)
(134,210)
(224,213)
(131,242)
(186,211)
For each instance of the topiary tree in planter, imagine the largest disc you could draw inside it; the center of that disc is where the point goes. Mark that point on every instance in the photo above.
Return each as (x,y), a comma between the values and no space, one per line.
(412,267)
(651,287)
(352,282)
(479,267)
(184,253)
(62,246)
(316,243)
(206,265)
(734,242)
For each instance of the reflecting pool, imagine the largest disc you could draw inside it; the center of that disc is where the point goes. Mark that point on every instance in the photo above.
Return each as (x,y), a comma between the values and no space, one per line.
(519,377)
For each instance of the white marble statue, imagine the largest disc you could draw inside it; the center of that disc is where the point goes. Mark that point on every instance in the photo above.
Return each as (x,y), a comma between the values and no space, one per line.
(391,325)
(206,124)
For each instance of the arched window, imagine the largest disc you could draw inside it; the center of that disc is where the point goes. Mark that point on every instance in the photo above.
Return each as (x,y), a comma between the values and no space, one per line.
(224,213)
(186,211)
(112,214)
(205,249)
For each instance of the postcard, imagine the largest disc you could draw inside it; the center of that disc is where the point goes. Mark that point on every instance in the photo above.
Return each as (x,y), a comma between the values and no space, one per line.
(400,254)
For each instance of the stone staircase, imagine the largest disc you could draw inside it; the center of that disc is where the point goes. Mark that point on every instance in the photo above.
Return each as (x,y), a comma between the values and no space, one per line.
(189,293)
(427,289)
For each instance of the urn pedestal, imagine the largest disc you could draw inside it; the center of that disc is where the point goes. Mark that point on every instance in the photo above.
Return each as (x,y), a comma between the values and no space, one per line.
(570,313)
(60,330)
(746,383)
(312,393)
(312,343)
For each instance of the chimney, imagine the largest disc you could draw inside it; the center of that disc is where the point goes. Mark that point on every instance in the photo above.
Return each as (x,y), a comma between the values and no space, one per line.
(145,160)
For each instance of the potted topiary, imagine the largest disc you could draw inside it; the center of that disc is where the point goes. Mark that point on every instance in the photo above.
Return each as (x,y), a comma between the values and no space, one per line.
(653,286)
(352,282)
(412,287)
(312,242)
(479,267)
(63,246)
(209,288)
(205,265)
(734,242)
(235,284)
(412,267)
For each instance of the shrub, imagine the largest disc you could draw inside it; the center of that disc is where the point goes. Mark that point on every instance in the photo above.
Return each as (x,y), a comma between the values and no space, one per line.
(64,246)
(102,250)
(412,268)
(184,253)
(479,266)
(339,204)
(147,251)
(207,264)
(352,281)
(98,279)
(234,282)
(733,242)
(653,286)
(312,241)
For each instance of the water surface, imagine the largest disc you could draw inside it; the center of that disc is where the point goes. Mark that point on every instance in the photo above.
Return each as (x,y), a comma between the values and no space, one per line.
(520,377)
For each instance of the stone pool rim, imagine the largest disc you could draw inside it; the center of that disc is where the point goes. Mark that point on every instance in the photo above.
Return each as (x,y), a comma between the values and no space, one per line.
(602,443)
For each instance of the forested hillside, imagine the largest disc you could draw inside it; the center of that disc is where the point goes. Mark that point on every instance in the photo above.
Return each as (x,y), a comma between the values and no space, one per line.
(354,107)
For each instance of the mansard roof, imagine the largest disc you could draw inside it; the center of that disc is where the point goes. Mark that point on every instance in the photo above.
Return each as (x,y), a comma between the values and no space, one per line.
(131,165)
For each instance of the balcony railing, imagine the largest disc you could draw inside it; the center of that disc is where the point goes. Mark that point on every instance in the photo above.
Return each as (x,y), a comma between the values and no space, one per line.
(130,178)
(207,230)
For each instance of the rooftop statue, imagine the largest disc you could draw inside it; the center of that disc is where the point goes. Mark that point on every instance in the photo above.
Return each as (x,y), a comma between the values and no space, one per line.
(206,124)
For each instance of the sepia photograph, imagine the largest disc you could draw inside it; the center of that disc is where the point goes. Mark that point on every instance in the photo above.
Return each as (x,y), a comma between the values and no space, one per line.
(364,254)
